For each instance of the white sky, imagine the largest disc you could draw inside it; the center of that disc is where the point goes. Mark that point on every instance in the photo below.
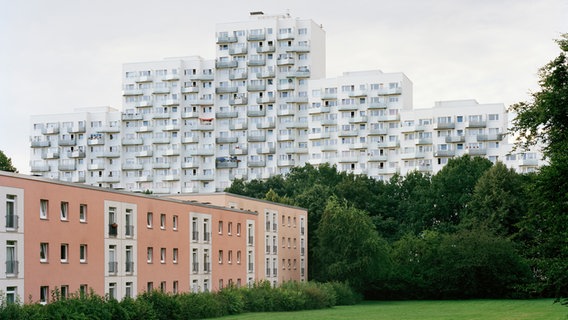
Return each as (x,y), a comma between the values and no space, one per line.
(56,55)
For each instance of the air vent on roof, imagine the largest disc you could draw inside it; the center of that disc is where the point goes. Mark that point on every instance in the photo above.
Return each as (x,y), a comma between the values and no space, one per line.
(256,13)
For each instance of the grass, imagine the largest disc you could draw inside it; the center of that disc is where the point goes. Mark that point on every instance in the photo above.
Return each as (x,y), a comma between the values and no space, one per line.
(542,309)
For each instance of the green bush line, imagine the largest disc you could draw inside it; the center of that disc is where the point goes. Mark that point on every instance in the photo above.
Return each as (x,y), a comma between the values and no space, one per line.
(156,305)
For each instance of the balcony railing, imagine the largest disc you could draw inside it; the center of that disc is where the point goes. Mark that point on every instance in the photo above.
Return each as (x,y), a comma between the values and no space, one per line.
(195,267)
(129,231)
(129,267)
(12,221)
(250,267)
(113,267)
(195,236)
(250,240)
(207,236)
(207,267)
(112,229)
(12,267)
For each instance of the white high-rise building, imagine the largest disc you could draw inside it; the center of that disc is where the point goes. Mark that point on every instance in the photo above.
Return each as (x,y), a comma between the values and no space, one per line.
(261,107)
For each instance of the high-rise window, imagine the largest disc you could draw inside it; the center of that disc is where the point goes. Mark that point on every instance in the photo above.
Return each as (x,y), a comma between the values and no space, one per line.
(83,212)
(43,252)
(83,253)
(64,210)
(43,206)
(11,216)
(64,252)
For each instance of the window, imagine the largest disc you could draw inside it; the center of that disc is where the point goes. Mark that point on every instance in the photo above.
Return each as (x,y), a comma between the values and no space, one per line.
(112,263)
(238,229)
(220,227)
(43,294)
(229,228)
(220,256)
(493,116)
(163,286)
(11,258)
(64,291)
(129,266)
(162,255)
(11,217)
(149,286)
(83,212)
(230,256)
(64,252)
(149,218)
(239,257)
(175,222)
(128,290)
(175,255)
(162,221)
(43,205)
(128,226)
(83,289)
(64,210)
(83,253)
(43,251)
(149,254)
(11,293)
(175,287)
(112,290)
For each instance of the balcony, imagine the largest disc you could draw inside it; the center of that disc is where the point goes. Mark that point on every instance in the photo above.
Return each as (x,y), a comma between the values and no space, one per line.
(190,165)
(412,155)
(285,61)
(171,153)
(378,131)
(144,104)
(389,91)
(202,102)
(226,114)
(256,62)
(226,164)
(266,74)
(348,133)
(201,77)
(424,141)
(145,178)
(348,159)
(329,95)
(203,177)
(316,110)
(389,117)
(171,127)
(297,48)
(171,102)
(238,126)
(132,166)
(477,151)
(298,74)
(160,140)
(377,105)
(266,124)
(50,155)
(265,49)
(348,107)
(96,166)
(286,163)
(444,153)
(161,90)
(455,139)
(444,125)
(131,116)
(77,129)
(360,119)
(413,128)
(223,140)
(266,150)
(189,115)
(490,137)
(286,137)
(41,144)
(190,90)
(256,37)
(50,130)
(144,153)
(226,64)
(96,142)
(40,168)
(144,79)
(377,158)
(285,86)
(67,166)
(161,115)
(476,124)
(132,92)
(256,113)
(388,144)
(171,177)
(357,93)
(228,89)
(528,162)
(234,176)
(227,39)
(265,100)
(238,101)
(237,151)
(202,152)
(76,154)
(256,138)
(204,127)
(285,36)
(238,75)
(132,141)
(358,146)
(256,87)
(238,50)
(191,139)
(256,163)
(160,165)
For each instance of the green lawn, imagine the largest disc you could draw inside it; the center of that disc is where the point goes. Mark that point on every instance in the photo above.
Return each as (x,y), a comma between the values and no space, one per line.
(543,309)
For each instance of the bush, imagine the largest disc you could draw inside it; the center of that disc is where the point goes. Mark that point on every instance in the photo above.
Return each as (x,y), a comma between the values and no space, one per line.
(199,306)
(344,294)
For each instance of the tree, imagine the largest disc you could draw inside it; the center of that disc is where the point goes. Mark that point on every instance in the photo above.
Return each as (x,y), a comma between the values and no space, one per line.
(349,249)
(543,121)
(6,163)
(498,201)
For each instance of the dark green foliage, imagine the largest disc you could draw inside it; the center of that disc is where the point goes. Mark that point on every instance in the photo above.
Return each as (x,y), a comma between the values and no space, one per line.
(6,163)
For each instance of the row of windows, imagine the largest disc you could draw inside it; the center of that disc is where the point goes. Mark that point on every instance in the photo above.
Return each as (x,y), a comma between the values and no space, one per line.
(44,253)
(150,255)
(150,221)
(63,210)
(229,257)
(60,292)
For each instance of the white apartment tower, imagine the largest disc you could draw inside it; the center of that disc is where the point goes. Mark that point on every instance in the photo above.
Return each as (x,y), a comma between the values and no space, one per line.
(261,107)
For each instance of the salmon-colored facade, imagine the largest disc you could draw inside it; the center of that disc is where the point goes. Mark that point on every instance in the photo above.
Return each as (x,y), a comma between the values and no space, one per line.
(75,238)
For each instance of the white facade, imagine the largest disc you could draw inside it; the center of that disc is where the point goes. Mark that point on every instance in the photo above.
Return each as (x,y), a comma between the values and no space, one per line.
(261,107)
(12,244)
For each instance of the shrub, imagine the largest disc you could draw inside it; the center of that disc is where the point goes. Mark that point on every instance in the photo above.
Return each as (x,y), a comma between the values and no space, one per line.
(344,294)
(199,306)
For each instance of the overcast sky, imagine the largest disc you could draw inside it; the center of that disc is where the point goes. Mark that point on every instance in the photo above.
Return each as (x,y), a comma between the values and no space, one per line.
(56,55)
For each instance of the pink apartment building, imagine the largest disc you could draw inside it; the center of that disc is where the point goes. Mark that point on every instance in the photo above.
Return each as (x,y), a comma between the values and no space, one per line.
(74,238)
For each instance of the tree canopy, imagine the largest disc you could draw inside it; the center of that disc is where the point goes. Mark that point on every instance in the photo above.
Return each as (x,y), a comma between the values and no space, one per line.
(6,163)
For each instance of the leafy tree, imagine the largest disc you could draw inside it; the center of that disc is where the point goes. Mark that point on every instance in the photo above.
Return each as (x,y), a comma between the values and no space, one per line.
(349,249)
(6,163)
(498,201)
(543,121)
(452,188)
